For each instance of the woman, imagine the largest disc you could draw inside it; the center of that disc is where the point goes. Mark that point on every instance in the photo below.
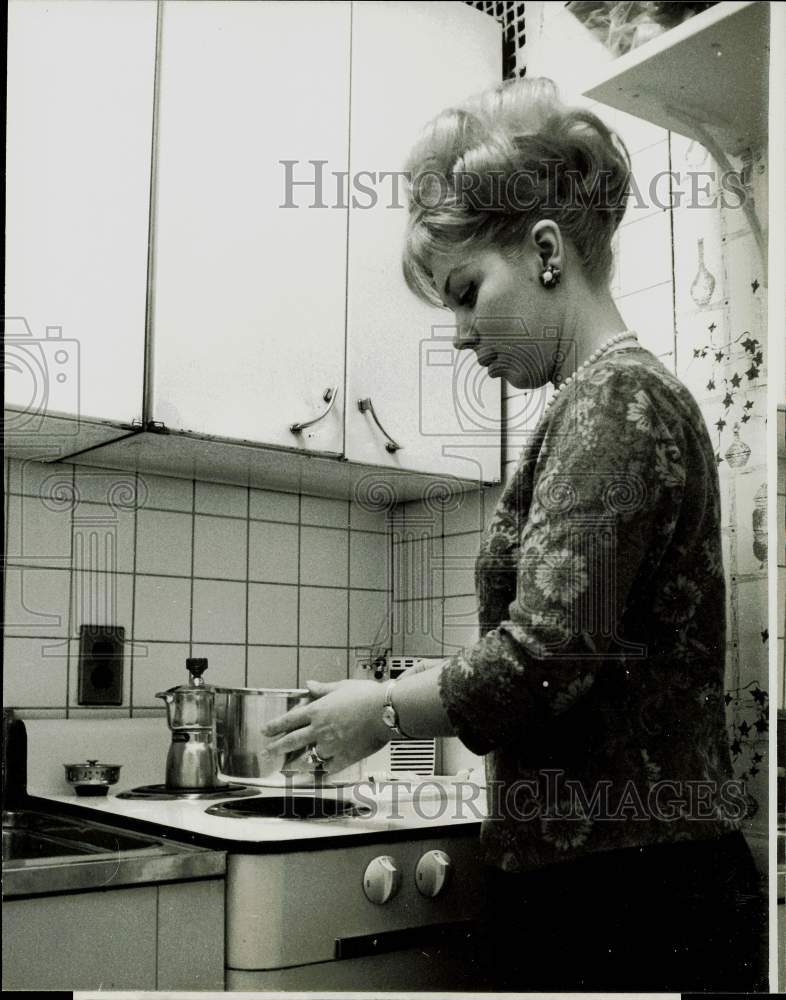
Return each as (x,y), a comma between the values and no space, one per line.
(596,687)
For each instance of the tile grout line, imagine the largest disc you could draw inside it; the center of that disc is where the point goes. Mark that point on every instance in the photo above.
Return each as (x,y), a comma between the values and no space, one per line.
(297,596)
(183,642)
(348,581)
(248,582)
(132,654)
(441,604)
(388,631)
(193,536)
(69,611)
(204,579)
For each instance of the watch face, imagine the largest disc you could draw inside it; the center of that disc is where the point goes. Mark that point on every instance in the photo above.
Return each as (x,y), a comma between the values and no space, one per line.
(389,716)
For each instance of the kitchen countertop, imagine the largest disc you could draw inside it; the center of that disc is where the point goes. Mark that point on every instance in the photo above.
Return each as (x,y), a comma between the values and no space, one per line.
(432,808)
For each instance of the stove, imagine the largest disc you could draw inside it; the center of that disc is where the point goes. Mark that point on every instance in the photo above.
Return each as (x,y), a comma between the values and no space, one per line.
(326,888)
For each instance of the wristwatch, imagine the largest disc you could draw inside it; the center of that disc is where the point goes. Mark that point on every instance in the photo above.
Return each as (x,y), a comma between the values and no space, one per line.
(390,715)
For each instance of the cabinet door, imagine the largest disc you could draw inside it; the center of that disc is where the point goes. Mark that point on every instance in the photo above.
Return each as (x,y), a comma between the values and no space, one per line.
(191,954)
(81,941)
(409,61)
(80,114)
(249,305)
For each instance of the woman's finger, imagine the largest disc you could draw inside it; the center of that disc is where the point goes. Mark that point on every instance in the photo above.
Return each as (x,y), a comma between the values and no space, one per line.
(299,739)
(318,689)
(294,719)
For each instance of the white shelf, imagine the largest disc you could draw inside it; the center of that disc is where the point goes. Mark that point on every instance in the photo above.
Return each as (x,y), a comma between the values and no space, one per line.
(709,73)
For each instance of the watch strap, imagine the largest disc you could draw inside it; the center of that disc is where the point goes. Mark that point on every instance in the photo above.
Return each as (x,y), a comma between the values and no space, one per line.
(390,711)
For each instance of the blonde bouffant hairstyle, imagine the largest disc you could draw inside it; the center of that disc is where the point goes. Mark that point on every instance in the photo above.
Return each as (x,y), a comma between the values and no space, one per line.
(484,172)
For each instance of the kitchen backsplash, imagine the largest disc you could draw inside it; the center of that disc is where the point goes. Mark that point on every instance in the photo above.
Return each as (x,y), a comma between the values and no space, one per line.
(273,588)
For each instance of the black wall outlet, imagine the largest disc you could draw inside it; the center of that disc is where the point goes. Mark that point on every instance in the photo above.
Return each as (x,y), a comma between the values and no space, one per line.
(101,665)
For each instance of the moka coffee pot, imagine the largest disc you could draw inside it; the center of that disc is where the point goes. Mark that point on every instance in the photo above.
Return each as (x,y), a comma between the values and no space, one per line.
(192,762)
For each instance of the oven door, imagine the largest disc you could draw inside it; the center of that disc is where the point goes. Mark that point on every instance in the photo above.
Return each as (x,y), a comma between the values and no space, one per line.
(435,958)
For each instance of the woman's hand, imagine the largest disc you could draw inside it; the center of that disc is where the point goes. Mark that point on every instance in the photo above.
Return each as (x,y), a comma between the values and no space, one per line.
(343,722)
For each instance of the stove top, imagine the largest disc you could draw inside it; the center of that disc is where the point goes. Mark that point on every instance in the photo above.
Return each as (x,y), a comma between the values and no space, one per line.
(271,828)
(162,793)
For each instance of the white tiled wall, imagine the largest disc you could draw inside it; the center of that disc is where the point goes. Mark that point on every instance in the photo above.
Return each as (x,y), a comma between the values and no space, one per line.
(273,588)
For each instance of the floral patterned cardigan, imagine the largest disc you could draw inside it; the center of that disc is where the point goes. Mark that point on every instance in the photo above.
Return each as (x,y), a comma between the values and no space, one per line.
(596,687)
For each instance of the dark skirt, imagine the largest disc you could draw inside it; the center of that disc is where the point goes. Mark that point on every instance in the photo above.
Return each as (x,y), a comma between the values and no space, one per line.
(690,916)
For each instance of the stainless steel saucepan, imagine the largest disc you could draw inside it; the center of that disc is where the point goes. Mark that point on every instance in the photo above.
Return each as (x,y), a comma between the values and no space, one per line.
(243,751)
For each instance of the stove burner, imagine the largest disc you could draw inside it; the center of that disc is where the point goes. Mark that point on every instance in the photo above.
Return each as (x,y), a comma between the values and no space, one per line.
(290,807)
(162,792)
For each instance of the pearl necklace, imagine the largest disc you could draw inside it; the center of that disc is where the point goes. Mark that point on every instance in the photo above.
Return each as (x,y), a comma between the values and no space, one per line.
(607,345)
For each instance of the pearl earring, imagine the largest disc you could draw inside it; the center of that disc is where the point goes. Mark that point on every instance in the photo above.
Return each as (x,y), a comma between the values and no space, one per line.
(550,276)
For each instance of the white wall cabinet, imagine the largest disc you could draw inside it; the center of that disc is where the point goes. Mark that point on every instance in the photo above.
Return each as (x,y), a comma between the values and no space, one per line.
(80,112)
(249,312)
(409,61)
(258,315)
(259,309)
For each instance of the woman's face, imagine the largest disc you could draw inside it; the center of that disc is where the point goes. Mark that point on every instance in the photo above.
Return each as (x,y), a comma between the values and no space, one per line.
(502,312)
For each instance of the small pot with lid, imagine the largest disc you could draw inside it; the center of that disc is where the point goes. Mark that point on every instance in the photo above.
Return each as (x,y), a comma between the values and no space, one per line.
(92,777)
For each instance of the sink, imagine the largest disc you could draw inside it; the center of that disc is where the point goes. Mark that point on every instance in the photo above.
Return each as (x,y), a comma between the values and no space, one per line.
(19,845)
(29,835)
(44,853)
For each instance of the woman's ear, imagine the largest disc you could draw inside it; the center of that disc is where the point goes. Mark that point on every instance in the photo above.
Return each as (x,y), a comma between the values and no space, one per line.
(547,239)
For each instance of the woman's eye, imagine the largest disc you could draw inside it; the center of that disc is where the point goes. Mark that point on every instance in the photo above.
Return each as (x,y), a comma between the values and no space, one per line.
(469,296)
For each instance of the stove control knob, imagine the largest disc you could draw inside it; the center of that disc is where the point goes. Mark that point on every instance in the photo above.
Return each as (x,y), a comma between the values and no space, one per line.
(432,873)
(382,879)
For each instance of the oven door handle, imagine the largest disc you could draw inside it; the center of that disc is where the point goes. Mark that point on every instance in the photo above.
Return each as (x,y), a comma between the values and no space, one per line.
(360,945)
